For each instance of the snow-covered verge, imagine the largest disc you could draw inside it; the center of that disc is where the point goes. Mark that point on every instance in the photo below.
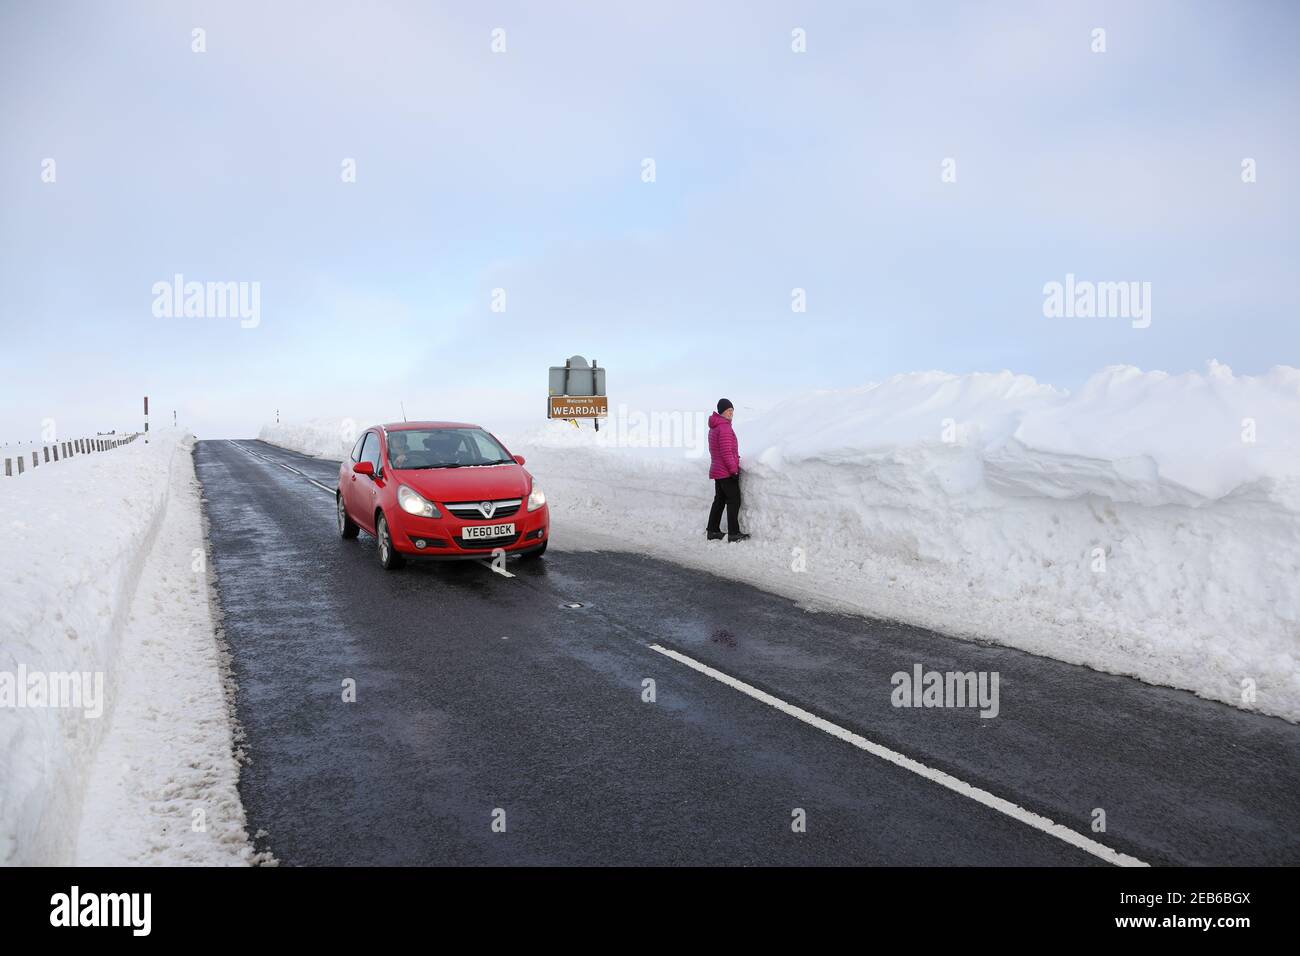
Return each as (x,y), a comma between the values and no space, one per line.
(103,593)
(1148,524)
(331,438)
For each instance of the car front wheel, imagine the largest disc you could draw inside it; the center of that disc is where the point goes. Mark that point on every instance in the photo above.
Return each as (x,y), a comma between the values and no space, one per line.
(389,559)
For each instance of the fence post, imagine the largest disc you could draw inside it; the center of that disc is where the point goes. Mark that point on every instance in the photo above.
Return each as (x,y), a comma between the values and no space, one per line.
(35,460)
(9,468)
(47,453)
(20,464)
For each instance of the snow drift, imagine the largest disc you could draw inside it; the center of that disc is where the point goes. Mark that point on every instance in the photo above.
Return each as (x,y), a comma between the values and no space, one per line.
(1148,524)
(77,588)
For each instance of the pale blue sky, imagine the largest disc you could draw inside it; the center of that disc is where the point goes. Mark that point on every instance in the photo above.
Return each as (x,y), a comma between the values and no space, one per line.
(522,170)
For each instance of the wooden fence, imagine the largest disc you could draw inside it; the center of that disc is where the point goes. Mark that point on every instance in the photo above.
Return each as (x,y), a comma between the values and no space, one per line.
(64,450)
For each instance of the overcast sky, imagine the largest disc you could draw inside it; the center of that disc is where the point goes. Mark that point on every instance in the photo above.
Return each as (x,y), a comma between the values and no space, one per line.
(523,170)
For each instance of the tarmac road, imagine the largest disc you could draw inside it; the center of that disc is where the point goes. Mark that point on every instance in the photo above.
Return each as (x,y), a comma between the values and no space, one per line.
(483,699)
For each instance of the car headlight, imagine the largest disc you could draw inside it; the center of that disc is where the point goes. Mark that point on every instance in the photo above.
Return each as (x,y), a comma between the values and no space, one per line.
(536,499)
(413,502)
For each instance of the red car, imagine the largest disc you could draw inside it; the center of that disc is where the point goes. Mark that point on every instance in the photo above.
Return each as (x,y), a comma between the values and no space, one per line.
(441,490)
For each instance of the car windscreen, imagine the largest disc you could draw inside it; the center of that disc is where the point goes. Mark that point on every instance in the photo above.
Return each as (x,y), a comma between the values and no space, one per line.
(444,448)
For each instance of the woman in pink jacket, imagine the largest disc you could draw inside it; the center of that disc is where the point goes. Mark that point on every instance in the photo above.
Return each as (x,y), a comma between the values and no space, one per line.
(725,472)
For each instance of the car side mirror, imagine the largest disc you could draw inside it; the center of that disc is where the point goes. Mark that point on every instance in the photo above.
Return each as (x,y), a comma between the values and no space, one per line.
(519,459)
(364,468)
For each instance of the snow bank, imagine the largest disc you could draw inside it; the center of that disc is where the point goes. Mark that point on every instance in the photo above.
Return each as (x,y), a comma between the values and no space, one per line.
(1148,524)
(331,438)
(78,539)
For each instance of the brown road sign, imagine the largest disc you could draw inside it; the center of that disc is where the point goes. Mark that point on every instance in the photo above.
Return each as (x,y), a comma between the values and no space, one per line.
(575,406)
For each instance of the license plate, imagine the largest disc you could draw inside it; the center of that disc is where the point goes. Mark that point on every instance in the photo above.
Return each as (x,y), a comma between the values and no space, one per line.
(477,532)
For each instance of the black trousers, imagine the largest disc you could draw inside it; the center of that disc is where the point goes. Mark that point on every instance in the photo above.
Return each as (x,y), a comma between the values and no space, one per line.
(726,493)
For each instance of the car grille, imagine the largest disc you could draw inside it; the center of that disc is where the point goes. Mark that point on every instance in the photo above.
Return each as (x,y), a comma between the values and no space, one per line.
(469,511)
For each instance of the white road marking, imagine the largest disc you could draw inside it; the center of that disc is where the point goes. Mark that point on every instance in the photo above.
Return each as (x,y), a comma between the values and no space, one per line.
(492,567)
(325,488)
(1012,810)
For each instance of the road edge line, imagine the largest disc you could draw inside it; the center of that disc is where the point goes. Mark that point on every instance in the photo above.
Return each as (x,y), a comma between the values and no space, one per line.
(993,802)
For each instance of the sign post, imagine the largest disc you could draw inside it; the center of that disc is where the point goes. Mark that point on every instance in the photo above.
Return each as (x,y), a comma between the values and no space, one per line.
(577,390)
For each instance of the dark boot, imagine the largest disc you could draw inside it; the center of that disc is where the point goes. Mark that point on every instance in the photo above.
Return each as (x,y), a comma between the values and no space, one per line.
(715,535)
(738,536)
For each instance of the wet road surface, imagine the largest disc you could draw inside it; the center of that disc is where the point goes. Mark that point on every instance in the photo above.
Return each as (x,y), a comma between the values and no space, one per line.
(483,699)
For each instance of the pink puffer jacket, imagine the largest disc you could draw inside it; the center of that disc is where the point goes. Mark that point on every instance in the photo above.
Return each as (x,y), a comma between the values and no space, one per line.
(723,450)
